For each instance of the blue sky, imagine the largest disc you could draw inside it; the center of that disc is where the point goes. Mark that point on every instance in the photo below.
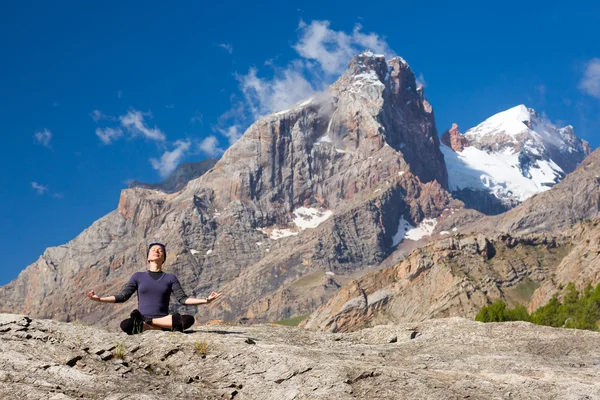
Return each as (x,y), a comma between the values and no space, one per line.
(94,94)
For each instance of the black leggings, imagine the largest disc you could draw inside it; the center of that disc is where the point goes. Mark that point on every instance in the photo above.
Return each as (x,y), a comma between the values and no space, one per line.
(180,323)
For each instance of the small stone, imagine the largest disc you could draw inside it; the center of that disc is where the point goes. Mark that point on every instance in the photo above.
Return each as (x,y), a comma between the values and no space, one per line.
(72,361)
(249,341)
(393,339)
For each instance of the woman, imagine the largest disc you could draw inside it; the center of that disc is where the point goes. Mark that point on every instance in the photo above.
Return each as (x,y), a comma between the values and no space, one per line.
(154,289)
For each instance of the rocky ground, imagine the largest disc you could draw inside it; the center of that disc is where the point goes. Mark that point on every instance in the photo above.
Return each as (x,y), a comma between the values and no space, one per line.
(438,359)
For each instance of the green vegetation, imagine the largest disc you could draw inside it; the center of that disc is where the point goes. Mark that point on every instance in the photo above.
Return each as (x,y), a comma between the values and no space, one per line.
(577,310)
(294,321)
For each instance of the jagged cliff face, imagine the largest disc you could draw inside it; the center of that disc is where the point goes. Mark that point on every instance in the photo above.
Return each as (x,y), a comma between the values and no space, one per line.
(522,256)
(508,158)
(305,199)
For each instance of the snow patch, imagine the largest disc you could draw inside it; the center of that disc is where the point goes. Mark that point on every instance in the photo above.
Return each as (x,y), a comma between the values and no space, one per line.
(304,218)
(194,252)
(208,252)
(369,78)
(324,139)
(308,218)
(407,231)
(329,273)
(509,122)
(498,173)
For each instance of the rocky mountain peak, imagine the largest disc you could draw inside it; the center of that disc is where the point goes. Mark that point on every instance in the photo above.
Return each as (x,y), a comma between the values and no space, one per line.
(454,139)
(510,157)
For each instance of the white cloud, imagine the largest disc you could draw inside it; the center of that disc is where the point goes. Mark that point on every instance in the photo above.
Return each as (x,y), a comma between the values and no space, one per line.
(590,83)
(98,115)
(108,135)
(227,47)
(324,55)
(43,137)
(133,122)
(210,146)
(41,189)
(58,195)
(264,96)
(232,133)
(170,159)
(169,106)
(334,49)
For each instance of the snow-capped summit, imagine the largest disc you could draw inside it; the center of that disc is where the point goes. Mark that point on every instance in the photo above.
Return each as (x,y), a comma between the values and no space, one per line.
(511,122)
(509,157)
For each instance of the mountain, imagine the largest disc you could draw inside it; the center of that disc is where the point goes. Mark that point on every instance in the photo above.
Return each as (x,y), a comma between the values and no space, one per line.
(508,158)
(522,256)
(309,198)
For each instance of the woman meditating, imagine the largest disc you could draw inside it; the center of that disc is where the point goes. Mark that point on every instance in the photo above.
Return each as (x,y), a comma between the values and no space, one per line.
(154,289)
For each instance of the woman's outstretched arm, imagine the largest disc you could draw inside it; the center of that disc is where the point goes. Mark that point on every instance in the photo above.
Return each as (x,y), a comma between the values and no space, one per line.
(92,295)
(183,298)
(128,290)
(192,301)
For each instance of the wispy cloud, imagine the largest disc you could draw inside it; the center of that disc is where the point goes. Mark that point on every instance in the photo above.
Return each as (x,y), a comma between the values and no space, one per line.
(334,49)
(58,195)
(40,189)
(108,135)
(134,123)
(43,137)
(170,159)
(197,117)
(323,55)
(420,80)
(169,106)
(98,115)
(227,47)
(264,96)
(119,94)
(232,133)
(210,146)
(590,83)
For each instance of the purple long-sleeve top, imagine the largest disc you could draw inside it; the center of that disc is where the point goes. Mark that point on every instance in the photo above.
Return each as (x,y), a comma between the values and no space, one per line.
(153,294)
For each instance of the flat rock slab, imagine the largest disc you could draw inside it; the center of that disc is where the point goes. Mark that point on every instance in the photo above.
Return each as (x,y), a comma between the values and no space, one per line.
(448,359)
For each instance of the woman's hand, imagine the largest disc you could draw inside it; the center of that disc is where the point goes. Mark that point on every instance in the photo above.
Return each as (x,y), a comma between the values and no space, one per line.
(213,296)
(92,295)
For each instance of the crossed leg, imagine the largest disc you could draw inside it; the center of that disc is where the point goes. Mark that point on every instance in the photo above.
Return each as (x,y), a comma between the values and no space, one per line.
(169,322)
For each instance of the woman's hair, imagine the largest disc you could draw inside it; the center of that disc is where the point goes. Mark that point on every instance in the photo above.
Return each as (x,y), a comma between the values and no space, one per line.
(164,249)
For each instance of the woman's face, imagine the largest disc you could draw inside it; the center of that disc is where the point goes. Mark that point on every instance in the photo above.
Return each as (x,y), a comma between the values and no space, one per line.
(156,253)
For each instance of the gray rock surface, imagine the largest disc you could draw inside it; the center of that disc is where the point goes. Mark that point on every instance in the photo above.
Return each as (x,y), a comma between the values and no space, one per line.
(444,358)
